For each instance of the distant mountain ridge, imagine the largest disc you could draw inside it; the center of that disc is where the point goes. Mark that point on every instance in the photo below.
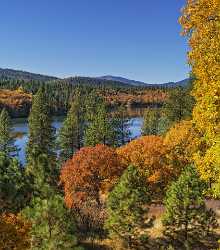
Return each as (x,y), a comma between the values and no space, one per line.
(24,75)
(103,80)
(143,84)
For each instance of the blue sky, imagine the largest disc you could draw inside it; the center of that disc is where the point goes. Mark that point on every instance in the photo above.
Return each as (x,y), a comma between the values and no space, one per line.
(137,39)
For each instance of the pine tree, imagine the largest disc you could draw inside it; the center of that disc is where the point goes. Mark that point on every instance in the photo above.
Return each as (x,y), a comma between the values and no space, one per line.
(120,124)
(180,104)
(71,134)
(52,224)
(12,184)
(127,210)
(41,132)
(186,215)
(151,122)
(43,176)
(100,128)
(6,140)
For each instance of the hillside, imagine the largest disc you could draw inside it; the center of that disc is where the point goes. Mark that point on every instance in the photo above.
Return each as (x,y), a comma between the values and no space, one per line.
(16,102)
(143,84)
(23,75)
(108,80)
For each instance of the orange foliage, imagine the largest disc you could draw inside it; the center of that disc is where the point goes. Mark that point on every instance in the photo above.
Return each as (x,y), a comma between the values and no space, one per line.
(91,170)
(149,154)
(14,232)
(137,98)
(15,101)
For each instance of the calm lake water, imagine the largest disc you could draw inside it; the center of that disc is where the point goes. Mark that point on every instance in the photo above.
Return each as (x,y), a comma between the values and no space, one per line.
(20,128)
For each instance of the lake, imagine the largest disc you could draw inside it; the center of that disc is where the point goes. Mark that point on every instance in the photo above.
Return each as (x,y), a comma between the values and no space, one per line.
(20,128)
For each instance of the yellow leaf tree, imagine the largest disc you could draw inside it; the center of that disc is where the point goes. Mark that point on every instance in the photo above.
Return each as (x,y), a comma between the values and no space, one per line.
(14,232)
(201,23)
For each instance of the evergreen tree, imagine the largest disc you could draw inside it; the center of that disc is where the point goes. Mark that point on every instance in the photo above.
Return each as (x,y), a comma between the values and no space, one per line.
(151,122)
(100,128)
(120,124)
(127,210)
(6,140)
(43,175)
(41,132)
(186,215)
(52,224)
(180,104)
(13,193)
(71,134)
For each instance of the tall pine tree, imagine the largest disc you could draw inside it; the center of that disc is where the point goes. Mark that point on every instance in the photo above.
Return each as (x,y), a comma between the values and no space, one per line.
(41,132)
(100,128)
(127,209)
(6,140)
(187,219)
(71,134)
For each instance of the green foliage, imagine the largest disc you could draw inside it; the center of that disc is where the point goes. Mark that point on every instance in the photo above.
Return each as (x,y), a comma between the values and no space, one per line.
(41,132)
(12,184)
(43,174)
(151,122)
(100,128)
(186,218)
(52,226)
(6,139)
(180,104)
(120,121)
(71,134)
(126,207)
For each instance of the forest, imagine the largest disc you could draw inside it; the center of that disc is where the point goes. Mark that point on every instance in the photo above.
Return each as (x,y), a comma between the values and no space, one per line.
(90,186)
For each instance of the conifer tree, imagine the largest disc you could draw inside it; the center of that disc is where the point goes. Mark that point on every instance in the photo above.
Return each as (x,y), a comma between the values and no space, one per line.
(6,140)
(52,225)
(41,132)
(12,184)
(186,214)
(127,208)
(120,124)
(71,134)
(100,128)
(151,122)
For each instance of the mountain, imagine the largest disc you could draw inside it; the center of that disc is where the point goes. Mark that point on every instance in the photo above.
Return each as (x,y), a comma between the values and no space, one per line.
(182,83)
(23,75)
(108,80)
(123,80)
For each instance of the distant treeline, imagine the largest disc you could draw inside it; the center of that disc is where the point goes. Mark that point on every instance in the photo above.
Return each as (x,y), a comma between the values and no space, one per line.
(60,93)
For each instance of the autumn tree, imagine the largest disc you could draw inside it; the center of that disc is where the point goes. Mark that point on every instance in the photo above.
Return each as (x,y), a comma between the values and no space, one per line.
(182,141)
(90,171)
(186,219)
(148,153)
(201,24)
(41,132)
(6,139)
(14,232)
(13,185)
(127,207)
(52,226)
(72,132)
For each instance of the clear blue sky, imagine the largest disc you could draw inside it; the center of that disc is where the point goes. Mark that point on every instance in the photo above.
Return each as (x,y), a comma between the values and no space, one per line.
(137,39)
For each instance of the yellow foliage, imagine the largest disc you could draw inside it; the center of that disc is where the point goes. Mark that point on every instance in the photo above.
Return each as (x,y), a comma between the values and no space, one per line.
(182,142)
(201,22)
(13,232)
